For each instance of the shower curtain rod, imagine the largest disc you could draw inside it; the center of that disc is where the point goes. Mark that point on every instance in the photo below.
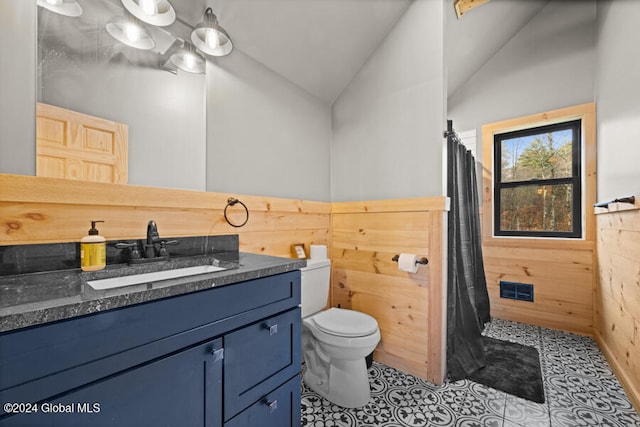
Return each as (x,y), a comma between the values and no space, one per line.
(450,132)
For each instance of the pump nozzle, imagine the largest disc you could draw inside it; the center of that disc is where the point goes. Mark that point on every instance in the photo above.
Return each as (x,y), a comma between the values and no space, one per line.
(94,230)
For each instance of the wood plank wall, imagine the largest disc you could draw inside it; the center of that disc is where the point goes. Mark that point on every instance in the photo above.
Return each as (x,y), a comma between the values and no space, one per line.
(561,274)
(562,270)
(45,210)
(366,235)
(409,308)
(617,303)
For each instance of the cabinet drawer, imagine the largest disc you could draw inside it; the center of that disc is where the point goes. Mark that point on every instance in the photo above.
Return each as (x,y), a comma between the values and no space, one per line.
(260,357)
(280,408)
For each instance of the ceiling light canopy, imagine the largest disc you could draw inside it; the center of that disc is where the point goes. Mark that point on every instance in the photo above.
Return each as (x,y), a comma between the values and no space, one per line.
(210,37)
(187,59)
(130,32)
(155,12)
(63,7)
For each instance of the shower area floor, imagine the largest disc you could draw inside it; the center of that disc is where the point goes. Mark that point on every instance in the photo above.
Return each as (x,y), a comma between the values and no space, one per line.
(580,390)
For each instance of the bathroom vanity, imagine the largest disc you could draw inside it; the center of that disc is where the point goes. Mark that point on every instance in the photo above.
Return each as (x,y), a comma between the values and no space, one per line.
(218,349)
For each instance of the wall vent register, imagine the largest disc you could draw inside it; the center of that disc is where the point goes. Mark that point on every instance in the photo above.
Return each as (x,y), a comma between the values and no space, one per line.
(516,291)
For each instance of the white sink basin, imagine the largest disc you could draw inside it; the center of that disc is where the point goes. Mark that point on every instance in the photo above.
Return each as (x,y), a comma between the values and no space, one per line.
(136,279)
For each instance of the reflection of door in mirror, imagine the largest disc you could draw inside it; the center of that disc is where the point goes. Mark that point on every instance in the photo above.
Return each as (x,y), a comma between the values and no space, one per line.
(77,146)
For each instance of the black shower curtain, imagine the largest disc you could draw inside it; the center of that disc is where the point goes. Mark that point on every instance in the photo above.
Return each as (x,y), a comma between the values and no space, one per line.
(467,297)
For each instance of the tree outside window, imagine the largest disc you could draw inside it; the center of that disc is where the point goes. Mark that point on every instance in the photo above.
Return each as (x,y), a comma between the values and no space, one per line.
(537,186)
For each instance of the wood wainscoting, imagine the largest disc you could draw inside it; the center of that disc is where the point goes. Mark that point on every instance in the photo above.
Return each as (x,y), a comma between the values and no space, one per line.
(48,210)
(410,308)
(562,275)
(617,304)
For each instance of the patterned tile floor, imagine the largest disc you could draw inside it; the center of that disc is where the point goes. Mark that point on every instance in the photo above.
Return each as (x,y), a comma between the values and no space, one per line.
(580,390)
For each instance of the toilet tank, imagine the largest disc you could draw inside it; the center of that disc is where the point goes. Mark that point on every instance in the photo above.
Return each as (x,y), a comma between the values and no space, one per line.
(315,286)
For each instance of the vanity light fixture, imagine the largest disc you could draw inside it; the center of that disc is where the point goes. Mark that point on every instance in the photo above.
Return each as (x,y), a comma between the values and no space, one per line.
(187,59)
(63,7)
(210,37)
(155,12)
(129,31)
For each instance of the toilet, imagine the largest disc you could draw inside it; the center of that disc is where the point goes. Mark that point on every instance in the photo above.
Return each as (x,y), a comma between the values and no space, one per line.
(335,342)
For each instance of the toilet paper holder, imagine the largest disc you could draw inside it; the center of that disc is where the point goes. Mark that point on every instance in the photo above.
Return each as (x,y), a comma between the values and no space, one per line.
(423,260)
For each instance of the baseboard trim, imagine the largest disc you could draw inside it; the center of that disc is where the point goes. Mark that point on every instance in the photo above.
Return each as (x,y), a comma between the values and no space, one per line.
(629,386)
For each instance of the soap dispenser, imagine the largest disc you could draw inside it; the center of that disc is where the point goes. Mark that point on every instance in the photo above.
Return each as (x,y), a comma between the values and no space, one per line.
(93,250)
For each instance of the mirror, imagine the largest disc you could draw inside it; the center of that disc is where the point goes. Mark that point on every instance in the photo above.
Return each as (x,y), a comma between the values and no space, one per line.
(81,67)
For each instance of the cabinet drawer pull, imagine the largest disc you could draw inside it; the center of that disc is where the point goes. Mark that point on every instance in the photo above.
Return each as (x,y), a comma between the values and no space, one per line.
(273,329)
(218,354)
(272,405)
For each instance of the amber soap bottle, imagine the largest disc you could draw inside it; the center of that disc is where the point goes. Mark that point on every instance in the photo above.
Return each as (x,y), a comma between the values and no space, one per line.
(93,250)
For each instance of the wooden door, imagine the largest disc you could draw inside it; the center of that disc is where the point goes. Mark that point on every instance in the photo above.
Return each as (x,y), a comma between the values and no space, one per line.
(77,146)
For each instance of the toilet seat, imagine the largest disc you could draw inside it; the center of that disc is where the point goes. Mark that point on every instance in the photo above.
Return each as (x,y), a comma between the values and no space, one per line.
(345,323)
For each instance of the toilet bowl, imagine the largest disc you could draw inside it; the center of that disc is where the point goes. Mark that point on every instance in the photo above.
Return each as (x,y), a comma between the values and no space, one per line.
(335,342)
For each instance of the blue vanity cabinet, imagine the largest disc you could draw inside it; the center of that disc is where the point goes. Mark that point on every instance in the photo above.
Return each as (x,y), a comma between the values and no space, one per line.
(209,358)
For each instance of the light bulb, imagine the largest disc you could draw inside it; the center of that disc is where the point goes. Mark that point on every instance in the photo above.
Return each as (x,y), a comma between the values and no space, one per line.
(132,32)
(212,39)
(149,7)
(189,61)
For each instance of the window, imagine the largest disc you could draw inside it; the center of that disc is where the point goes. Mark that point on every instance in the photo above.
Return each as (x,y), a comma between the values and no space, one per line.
(537,182)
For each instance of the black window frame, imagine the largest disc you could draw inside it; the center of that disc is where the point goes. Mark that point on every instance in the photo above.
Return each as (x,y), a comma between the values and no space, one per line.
(575,180)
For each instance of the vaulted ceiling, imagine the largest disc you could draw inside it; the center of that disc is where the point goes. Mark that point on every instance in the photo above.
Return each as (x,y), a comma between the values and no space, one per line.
(473,39)
(321,44)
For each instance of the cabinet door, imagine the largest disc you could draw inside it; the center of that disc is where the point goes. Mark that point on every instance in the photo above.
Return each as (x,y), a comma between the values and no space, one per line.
(184,389)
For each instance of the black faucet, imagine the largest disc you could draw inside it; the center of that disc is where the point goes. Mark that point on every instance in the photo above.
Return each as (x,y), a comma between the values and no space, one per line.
(151,250)
(152,238)
(154,248)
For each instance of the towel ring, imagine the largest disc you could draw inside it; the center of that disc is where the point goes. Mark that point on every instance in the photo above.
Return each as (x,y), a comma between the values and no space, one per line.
(231,201)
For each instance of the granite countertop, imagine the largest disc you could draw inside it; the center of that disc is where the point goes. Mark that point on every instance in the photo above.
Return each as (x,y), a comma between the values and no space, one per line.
(25,303)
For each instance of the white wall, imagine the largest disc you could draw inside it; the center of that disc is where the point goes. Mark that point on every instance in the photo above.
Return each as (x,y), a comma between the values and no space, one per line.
(387,124)
(618,99)
(265,136)
(547,65)
(17,87)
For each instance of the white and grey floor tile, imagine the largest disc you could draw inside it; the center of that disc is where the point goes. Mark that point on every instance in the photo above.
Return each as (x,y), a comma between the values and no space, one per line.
(580,390)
